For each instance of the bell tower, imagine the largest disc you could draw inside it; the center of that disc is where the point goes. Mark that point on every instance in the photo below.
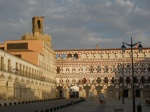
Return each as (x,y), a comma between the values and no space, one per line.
(37,25)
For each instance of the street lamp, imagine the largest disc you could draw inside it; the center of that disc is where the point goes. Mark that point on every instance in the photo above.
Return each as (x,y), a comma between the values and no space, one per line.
(123,50)
(123,83)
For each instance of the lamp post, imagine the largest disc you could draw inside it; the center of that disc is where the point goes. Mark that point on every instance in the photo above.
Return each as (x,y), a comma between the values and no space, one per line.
(123,50)
(123,84)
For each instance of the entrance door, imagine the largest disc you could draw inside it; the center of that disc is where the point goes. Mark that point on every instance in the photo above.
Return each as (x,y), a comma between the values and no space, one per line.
(60,93)
(126,93)
(138,93)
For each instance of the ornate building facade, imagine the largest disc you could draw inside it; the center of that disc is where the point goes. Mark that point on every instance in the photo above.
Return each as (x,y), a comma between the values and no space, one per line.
(103,70)
(31,69)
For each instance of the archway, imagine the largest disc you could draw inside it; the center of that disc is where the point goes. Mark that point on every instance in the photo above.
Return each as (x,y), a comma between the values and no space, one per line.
(60,92)
(2,87)
(17,89)
(22,89)
(87,90)
(74,91)
(98,89)
(28,89)
(111,92)
(10,88)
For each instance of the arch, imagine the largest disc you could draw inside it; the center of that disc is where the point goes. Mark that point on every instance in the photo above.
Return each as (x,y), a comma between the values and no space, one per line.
(74,91)
(3,89)
(59,91)
(87,90)
(17,88)
(98,89)
(2,77)
(111,92)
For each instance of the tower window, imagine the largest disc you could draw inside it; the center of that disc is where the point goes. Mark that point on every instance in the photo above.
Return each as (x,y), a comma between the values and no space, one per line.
(39,24)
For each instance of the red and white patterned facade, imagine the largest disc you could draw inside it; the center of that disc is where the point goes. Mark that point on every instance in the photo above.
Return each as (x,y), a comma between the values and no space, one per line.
(101,70)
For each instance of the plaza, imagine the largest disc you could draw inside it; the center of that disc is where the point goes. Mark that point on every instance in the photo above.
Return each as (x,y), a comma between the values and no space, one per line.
(86,106)
(30,69)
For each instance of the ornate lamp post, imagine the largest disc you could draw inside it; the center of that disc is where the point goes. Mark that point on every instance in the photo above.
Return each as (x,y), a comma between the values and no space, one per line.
(123,84)
(123,50)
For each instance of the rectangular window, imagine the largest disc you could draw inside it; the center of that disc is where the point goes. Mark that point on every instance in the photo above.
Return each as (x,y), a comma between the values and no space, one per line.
(17,46)
(9,66)
(2,63)
(20,69)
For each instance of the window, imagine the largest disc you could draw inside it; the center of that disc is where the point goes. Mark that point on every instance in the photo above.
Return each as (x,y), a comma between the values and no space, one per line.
(135,80)
(148,68)
(120,80)
(58,69)
(57,55)
(17,46)
(69,55)
(114,69)
(91,69)
(9,66)
(39,24)
(106,79)
(113,80)
(2,63)
(63,56)
(142,79)
(75,56)
(128,68)
(106,69)
(128,80)
(98,80)
(98,69)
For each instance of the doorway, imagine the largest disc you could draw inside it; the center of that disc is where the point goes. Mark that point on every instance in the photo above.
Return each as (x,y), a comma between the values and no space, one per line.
(60,93)
(137,93)
(126,93)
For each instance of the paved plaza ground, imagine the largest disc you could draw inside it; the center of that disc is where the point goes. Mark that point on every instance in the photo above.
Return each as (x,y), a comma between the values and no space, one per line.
(94,106)
(87,106)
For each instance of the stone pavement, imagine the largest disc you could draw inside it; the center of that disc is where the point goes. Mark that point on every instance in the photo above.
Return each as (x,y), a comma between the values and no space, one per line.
(94,106)
(86,106)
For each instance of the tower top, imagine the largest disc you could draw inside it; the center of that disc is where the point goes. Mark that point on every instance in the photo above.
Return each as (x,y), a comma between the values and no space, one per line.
(37,24)
(37,31)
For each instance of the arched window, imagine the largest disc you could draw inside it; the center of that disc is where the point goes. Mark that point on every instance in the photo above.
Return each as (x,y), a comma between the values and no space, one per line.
(135,80)
(106,79)
(69,55)
(98,80)
(75,56)
(91,69)
(98,69)
(120,80)
(113,80)
(106,69)
(128,68)
(142,79)
(128,80)
(63,56)
(57,55)
(114,69)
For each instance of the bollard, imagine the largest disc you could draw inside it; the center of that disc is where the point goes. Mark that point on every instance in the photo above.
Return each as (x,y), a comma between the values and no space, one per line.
(139,108)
